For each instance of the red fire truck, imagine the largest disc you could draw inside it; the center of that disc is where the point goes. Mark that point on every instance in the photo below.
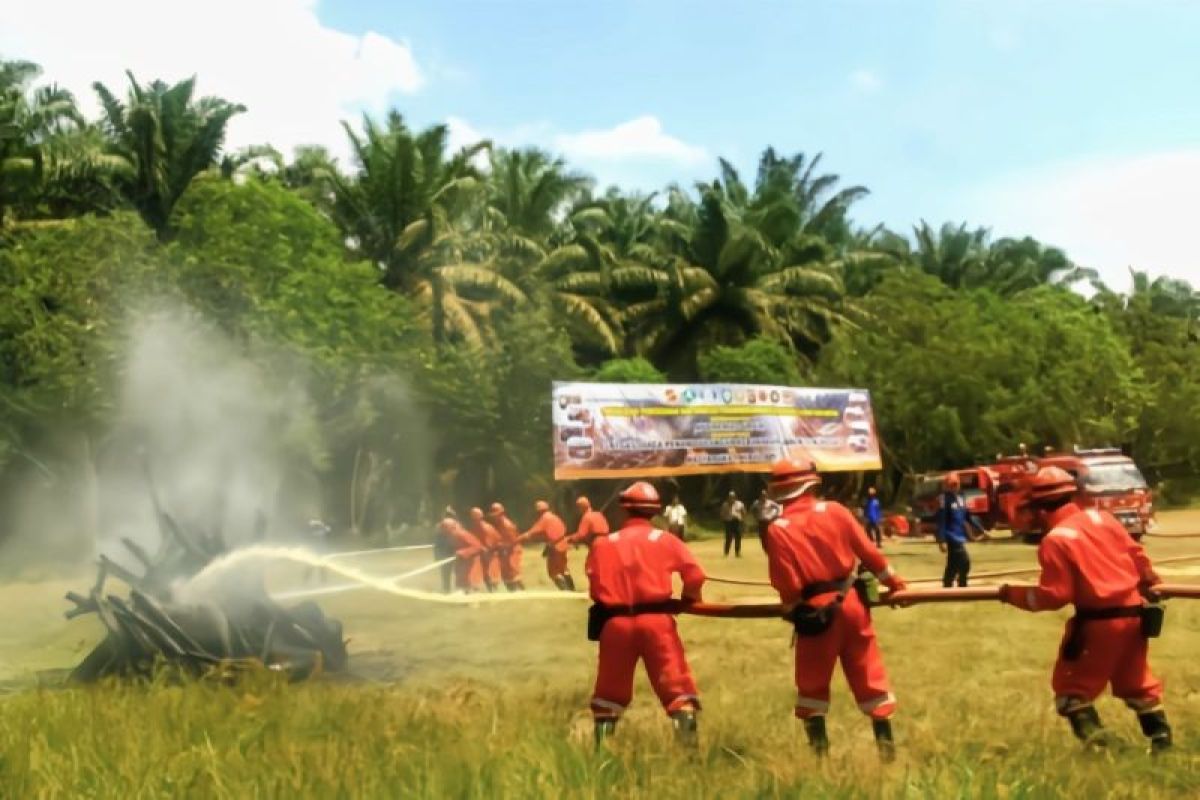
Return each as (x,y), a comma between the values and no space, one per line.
(995,493)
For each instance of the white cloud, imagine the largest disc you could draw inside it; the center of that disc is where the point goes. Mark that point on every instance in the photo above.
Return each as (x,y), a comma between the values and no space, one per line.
(865,81)
(642,138)
(297,77)
(1109,213)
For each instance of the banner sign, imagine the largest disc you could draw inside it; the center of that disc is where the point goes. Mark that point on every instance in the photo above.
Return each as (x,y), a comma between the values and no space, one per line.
(610,430)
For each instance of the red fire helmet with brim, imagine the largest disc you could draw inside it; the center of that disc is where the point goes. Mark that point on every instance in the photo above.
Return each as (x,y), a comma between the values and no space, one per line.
(1051,483)
(790,479)
(640,496)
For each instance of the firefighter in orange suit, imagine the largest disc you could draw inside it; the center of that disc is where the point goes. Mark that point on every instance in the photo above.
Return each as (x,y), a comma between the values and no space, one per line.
(1088,559)
(468,573)
(510,553)
(813,550)
(591,523)
(630,574)
(550,528)
(489,537)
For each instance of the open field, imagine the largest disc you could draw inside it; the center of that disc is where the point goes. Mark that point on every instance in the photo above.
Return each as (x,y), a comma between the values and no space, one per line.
(490,701)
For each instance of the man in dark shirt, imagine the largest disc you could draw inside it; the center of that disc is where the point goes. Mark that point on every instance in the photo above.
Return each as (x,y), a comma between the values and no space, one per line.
(954,524)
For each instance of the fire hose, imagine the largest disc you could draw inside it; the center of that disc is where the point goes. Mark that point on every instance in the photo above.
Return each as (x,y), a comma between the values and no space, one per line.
(908,597)
(1004,573)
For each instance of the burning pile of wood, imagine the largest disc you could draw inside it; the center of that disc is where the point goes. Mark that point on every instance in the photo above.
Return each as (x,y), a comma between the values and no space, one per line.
(154,626)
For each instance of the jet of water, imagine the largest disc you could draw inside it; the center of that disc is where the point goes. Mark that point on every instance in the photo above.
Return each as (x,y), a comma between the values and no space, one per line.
(202,581)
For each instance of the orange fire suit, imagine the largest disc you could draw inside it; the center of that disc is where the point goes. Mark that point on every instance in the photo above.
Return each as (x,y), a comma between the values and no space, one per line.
(634,567)
(489,559)
(1090,560)
(819,541)
(510,553)
(468,573)
(550,527)
(591,525)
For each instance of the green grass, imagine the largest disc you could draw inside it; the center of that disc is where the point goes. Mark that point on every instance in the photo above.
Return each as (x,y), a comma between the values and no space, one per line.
(490,701)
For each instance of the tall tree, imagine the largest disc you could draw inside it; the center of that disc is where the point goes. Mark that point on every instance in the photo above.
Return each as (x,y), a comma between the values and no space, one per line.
(168,138)
(404,209)
(34,126)
(747,263)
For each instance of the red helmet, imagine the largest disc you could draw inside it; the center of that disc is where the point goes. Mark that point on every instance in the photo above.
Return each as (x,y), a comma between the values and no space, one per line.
(790,479)
(583,502)
(640,496)
(476,513)
(951,481)
(541,506)
(1051,483)
(496,510)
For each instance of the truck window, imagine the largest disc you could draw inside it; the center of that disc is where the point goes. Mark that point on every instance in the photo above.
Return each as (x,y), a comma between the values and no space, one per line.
(1118,477)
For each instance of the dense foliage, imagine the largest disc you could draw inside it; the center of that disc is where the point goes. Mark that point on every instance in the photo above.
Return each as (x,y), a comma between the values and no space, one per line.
(423,300)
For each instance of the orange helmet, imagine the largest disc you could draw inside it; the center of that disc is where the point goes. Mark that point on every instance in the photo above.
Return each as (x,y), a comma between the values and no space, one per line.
(496,510)
(1051,483)
(951,481)
(583,502)
(640,496)
(476,513)
(541,506)
(790,479)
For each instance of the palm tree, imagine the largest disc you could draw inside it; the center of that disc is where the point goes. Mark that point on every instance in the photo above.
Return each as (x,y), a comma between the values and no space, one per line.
(731,280)
(953,254)
(531,190)
(403,208)
(1014,265)
(29,122)
(168,138)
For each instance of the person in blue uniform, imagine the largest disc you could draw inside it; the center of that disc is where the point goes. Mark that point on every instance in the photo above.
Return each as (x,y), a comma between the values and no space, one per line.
(956,527)
(873,517)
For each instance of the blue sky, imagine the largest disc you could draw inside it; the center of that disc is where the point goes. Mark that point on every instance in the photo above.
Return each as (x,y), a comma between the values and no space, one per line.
(1077,122)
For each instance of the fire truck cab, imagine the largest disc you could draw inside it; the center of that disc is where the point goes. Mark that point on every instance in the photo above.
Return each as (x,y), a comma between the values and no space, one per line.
(1109,481)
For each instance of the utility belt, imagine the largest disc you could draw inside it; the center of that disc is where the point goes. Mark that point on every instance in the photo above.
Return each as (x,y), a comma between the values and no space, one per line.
(1150,617)
(599,614)
(551,546)
(810,620)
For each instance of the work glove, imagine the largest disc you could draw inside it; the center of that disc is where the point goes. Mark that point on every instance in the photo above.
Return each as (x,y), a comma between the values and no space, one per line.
(895,583)
(1009,594)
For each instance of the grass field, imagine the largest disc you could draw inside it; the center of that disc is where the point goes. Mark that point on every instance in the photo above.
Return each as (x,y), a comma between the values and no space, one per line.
(490,701)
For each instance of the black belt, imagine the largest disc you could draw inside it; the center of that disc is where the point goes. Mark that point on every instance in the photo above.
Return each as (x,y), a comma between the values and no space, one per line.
(816,588)
(599,614)
(1113,612)
(665,607)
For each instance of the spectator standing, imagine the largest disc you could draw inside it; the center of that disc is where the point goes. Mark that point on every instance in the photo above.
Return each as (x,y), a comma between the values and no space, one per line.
(676,516)
(733,511)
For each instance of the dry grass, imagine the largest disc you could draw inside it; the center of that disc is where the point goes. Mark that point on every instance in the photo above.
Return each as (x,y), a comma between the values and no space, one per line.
(490,702)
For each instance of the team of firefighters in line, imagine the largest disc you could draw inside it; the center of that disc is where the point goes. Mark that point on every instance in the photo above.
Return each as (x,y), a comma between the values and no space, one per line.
(488,550)
(816,552)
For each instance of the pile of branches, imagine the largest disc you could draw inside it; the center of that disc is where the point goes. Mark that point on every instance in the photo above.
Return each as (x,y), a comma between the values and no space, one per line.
(226,630)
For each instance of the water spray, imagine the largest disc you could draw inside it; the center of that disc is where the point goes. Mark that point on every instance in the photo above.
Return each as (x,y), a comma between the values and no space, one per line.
(300,555)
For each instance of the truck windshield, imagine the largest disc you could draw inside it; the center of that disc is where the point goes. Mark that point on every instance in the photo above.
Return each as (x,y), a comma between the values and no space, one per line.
(1120,477)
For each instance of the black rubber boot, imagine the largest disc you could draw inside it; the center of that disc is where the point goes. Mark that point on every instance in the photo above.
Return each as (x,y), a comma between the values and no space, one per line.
(1087,727)
(603,729)
(686,728)
(1155,727)
(559,583)
(884,739)
(570,583)
(818,740)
